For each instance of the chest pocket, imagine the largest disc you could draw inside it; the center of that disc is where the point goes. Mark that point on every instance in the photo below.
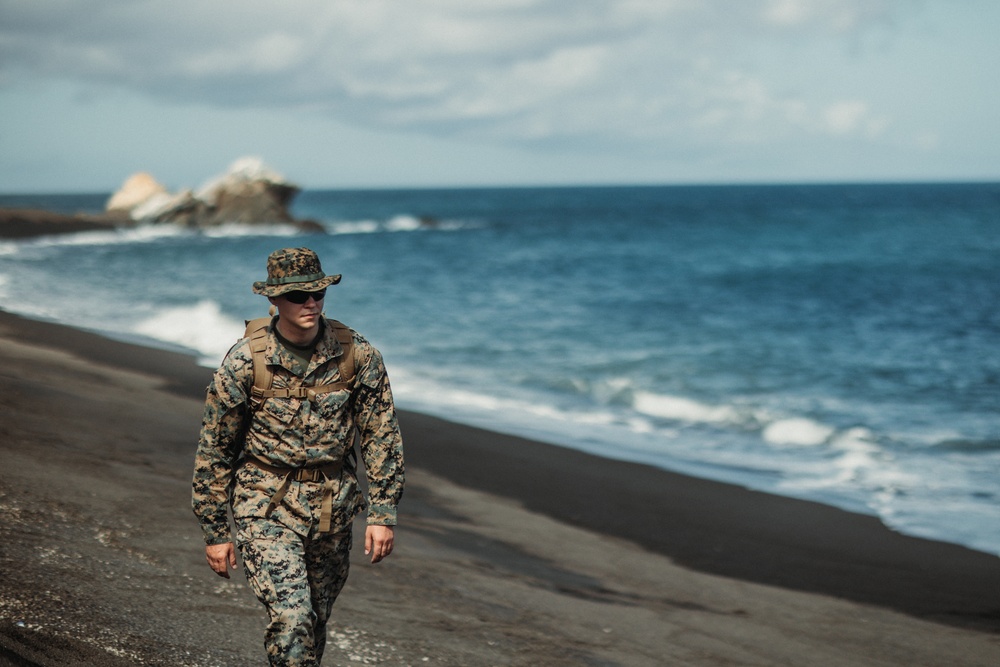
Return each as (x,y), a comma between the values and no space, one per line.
(331,404)
(275,415)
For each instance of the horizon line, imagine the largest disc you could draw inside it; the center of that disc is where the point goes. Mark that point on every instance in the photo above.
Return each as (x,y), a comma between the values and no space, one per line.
(580,185)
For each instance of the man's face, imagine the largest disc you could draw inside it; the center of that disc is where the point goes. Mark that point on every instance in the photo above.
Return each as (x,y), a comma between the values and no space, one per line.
(300,310)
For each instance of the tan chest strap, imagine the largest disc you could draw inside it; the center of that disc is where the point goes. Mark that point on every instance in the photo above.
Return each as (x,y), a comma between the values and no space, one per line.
(263,377)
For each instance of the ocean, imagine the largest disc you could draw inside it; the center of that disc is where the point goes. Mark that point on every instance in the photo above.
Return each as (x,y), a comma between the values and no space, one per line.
(837,343)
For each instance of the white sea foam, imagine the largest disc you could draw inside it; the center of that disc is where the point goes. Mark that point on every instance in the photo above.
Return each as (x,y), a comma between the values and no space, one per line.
(202,327)
(858,454)
(797,431)
(354,227)
(416,389)
(413,390)
(397,223)
(853,459)
(403,223)
(118,236)
(237,230)
(682,409)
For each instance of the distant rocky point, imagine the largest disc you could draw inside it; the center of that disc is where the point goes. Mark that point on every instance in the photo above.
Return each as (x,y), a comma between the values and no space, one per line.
(24,223)
(248,193)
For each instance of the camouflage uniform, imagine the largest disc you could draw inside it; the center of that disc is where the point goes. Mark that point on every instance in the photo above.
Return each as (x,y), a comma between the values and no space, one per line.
(295,567)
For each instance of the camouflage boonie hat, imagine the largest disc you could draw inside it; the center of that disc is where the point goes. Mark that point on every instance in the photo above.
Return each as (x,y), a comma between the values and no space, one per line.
(291,269)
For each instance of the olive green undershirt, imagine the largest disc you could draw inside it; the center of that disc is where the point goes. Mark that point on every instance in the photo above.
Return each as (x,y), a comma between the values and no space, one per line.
(301,353)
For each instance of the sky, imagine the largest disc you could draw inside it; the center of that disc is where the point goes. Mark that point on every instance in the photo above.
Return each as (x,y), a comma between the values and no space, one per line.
(446,93)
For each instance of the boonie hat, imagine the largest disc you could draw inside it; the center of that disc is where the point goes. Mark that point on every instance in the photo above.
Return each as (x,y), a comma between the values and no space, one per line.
(291,269)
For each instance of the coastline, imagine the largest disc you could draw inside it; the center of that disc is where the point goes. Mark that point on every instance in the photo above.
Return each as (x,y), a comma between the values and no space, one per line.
(20,223)
(510,551)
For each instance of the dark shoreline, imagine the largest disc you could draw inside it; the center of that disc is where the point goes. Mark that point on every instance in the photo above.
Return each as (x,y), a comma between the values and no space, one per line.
(724,529)
(708,526)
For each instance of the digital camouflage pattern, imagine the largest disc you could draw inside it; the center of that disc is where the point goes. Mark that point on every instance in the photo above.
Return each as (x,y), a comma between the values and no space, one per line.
(278,462)
(294,569)
(291,269)
(298,581)
(293,432)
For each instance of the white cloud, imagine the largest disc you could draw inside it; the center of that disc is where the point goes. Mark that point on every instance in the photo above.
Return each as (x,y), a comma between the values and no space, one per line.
(629,71)
(844,117)
(272,52)
(824,14)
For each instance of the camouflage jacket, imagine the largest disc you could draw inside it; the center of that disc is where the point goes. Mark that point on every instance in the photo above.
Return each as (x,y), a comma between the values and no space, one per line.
(293,432)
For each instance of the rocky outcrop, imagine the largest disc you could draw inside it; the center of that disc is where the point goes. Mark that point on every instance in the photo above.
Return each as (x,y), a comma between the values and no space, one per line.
(137,189)
(248,193)
(19,223)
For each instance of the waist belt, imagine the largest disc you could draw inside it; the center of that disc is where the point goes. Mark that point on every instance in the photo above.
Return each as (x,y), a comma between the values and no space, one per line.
(328,474)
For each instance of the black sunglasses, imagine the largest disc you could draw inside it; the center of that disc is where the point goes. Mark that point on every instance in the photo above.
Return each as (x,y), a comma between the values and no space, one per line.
(300,297)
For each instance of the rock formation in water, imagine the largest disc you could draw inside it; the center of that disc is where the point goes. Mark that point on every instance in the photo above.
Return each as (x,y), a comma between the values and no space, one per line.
(248,193)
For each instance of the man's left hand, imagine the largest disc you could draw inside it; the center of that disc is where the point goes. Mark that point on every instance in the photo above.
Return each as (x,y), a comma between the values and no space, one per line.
(378,542)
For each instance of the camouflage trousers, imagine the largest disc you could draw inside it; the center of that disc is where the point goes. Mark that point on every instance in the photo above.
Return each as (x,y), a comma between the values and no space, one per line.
(297,579)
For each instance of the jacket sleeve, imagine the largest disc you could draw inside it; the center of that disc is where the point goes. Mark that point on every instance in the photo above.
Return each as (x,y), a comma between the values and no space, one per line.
(381,441)
(219,447)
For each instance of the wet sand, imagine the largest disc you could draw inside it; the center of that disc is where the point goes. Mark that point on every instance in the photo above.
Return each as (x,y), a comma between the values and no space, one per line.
(509,551)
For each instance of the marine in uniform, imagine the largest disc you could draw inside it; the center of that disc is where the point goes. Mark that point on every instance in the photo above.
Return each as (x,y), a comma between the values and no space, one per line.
(282,459)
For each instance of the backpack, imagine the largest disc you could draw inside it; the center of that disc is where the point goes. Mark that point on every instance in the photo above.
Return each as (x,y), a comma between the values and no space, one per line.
(256,331)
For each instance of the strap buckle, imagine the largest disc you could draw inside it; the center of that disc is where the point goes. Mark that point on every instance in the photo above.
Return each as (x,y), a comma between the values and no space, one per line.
(308,475)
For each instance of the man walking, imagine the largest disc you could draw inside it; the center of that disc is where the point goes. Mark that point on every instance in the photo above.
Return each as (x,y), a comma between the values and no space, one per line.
(276,446)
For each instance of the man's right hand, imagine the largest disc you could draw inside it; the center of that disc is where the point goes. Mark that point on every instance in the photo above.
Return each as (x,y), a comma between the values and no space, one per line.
(221,557)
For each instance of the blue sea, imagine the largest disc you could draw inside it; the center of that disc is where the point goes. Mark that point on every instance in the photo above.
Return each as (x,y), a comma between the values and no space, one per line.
(836,343)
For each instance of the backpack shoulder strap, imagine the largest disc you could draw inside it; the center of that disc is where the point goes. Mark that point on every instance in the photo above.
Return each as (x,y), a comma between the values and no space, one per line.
(347,363)
(256,332)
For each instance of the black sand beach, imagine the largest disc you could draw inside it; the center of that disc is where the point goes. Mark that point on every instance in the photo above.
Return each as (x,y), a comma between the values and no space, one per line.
(509,552)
